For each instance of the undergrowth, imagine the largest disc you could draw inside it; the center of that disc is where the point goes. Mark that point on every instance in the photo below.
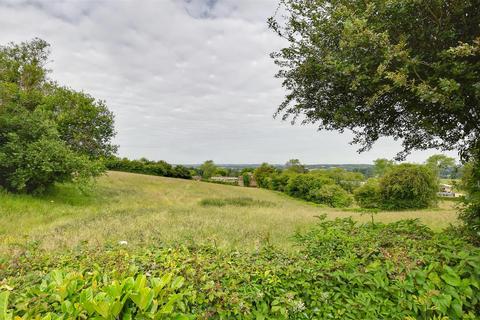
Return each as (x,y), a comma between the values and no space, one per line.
(343,270)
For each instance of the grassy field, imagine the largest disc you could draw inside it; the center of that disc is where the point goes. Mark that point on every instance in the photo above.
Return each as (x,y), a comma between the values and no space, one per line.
(144,209)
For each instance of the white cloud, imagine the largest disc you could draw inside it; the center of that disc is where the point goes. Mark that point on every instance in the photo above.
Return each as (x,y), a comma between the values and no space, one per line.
(188,80)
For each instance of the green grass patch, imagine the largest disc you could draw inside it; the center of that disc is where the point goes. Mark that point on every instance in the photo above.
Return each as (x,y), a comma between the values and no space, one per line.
(146,210)
(237,202)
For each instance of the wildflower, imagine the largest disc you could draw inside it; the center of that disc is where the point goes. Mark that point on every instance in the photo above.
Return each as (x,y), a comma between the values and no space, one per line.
(122,242)
(298,306)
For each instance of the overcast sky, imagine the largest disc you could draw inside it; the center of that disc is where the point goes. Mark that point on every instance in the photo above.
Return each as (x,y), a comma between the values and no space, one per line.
(188,80)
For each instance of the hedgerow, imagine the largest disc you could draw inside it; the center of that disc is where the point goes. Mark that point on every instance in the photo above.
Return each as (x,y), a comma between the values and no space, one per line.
(343,270)
(144,166)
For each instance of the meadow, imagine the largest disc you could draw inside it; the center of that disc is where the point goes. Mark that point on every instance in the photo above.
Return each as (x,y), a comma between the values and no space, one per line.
(143,209)
(143,247)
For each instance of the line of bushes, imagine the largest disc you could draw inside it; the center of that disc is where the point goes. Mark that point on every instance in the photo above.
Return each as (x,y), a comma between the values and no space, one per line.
(144,166)
(332,187)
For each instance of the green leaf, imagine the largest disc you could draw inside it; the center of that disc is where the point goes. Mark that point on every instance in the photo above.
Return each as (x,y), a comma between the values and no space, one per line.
(451,277)
(4,315)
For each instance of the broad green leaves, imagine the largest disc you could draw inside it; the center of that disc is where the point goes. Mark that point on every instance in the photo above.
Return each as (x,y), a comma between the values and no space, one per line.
(344,270)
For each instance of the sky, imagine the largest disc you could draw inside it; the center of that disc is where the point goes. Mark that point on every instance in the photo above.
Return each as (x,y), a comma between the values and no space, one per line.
(187,80)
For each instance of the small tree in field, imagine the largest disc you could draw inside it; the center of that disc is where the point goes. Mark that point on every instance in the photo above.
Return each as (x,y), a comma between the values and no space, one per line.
(408,186)
(294,165)
(438,163)
(208,169)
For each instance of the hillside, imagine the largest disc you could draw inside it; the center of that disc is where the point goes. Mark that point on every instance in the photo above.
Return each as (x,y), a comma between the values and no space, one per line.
(145,209)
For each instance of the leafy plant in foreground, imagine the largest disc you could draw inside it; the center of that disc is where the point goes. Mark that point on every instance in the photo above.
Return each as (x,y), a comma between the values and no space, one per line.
(343,270)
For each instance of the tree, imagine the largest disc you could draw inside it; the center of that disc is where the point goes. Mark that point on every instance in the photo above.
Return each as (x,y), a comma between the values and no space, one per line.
(381,166)
(294,165)
(262,175)
(48,133)
(440,163)
(405,69)
(208,169)
(408,186)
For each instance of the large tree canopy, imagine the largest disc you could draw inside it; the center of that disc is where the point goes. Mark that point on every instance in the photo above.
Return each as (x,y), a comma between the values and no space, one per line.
(48,133)
(406,69)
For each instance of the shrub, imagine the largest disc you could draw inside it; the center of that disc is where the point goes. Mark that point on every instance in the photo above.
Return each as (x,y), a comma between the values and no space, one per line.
(368,195)
(408,186)
(262,175)
(279,181)
(33,157)
(343,270)
(48,133)
(246,179)
(301,185)
(332,195)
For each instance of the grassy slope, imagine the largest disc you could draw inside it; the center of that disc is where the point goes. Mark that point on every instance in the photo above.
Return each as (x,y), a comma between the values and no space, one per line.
(141,209)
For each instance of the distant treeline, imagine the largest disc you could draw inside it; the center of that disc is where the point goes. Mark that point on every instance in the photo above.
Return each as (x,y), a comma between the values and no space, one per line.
(145,166)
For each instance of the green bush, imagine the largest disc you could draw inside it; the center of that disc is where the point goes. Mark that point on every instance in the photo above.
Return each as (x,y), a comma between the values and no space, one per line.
(301,185)
(33,157)
(262,175)
(48,133)
(368,195)
(470,213)
(408,186)
(332,195)
(246,179)
(343,270)
(279,181)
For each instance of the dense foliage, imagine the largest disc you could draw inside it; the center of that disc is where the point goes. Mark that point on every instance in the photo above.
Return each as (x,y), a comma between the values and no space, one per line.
(262,174)
(408,186)
(48,133)
(405,69)
(343,271)
(332,187)
(368,195)
(471,212)
(144,166)
(442,165)
(404,186)
(208,169)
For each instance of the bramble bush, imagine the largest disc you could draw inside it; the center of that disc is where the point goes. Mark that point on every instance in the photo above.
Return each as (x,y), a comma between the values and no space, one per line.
(343,270)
